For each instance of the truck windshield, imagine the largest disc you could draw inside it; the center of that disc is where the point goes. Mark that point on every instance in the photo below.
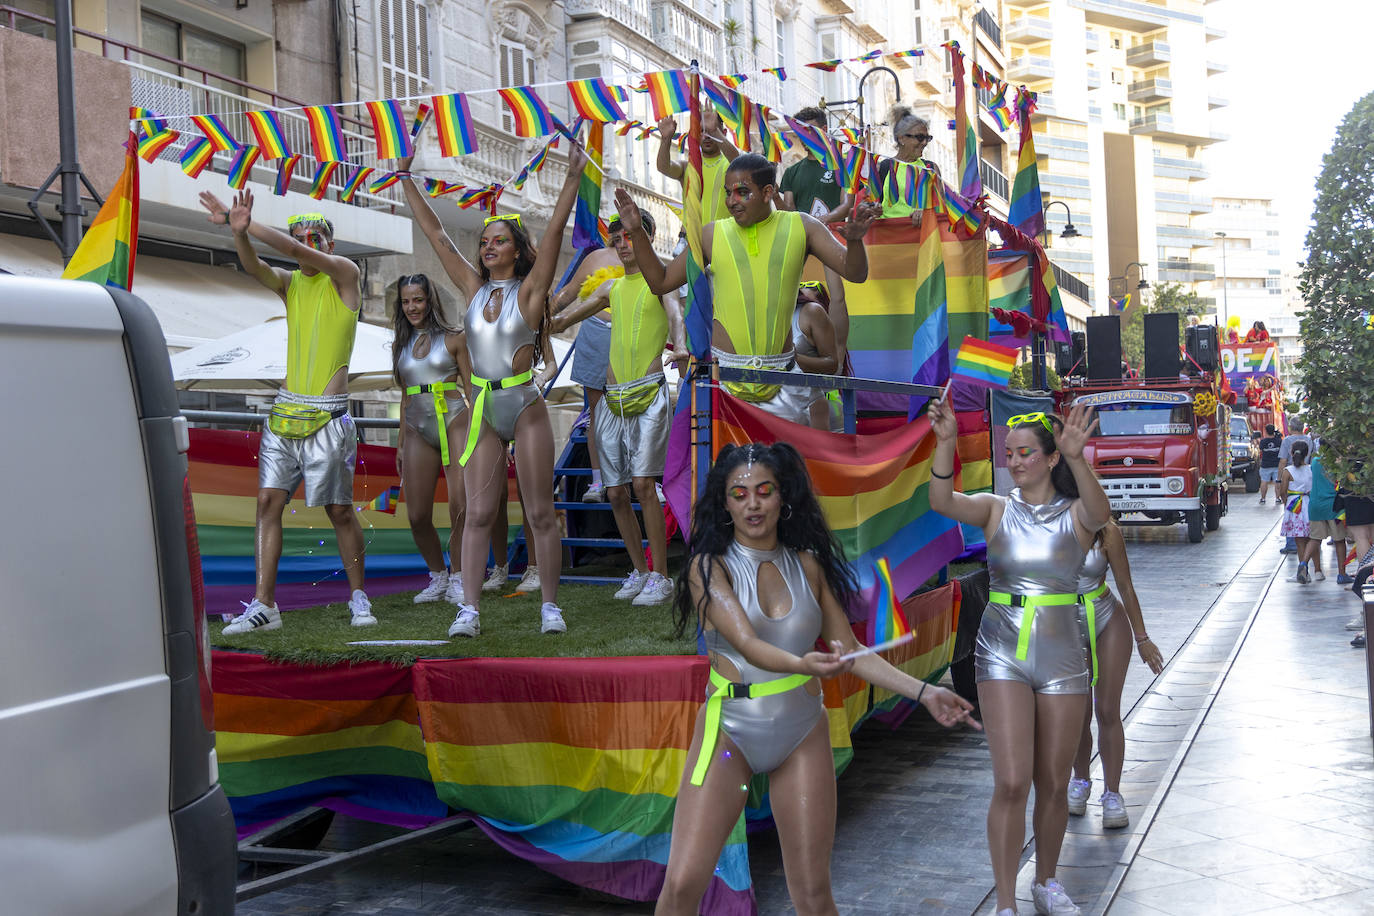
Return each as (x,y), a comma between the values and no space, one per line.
(1145,419)
(1240,429)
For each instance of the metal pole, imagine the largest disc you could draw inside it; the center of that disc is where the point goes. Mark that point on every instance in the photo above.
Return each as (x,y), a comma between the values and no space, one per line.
(70,170)
(1038,361)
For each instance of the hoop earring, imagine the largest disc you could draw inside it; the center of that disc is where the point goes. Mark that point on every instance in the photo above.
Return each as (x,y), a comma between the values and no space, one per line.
(729,523)
(788,507)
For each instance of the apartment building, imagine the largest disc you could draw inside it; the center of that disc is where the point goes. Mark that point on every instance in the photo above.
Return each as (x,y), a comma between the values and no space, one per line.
(1243,247)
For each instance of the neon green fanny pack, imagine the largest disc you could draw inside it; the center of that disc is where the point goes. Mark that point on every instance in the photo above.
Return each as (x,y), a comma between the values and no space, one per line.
(297,421)
(633,398)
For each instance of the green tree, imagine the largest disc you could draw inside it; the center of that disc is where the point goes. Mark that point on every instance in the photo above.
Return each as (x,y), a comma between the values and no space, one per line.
(1167,297)
(1337,284)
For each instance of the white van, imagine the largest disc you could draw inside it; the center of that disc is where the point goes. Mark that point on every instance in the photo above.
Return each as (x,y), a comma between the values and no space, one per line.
(109,792)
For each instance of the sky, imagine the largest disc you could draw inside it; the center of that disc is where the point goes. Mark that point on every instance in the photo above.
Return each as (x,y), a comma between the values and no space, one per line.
(1296,68)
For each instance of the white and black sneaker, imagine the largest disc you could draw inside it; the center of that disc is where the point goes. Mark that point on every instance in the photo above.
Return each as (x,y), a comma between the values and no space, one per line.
(436,589)
(255,616)
(466,623)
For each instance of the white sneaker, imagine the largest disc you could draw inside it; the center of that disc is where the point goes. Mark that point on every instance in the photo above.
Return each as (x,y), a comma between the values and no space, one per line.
(1319,576)
(361,609)
(551,619)
(454,593)
(466,623)
(1050,900)
(255,616)
(1114,811)
(1355,623)
(1079,790)
(657,589)
(633,585)
(596,493)
(496,578)
(436,589)
(658,491)
(529,582)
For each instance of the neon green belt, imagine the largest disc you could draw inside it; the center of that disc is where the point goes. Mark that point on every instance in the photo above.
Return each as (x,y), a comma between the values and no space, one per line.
(440,409)
(1088,599)
(475,423)
(1028,604)
(724,689)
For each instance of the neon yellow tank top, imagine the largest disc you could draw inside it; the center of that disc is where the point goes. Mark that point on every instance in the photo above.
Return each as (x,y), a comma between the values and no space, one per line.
(319,333)
(713,174)
(639,328)
(893,203)
(757,273)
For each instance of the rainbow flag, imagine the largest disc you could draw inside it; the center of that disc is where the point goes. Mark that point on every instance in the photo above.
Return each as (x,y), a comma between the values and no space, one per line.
(626,127)
(999,109)
(779,72)
(150,146)
(594,100)
(1025,211)
(320,183)
(589,230)
(886,621)
(267,128)
(437,187)
(422,114)
(768,141)
(698,309)
(354,183)
(532,117)
(386,501)
(108,249)
(912,53)
(855,158)
(326,135)
(829,66)
(215,131)
(284,171)
(242,167)
(985,364)
(930,343)
(970,179)
(1009,290)
(817,143)
(382,182)
(733,80)
(390,130)
(147,120)
(453,121)
(197,155)
(668,92)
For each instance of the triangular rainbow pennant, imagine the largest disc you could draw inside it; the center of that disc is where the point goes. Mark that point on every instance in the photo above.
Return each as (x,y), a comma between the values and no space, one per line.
(106,253)
(887,622)
(386,501)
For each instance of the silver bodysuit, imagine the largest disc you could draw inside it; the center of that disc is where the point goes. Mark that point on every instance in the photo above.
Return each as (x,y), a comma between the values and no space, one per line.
(438,365)
(1034,551)
(492,345)
(1092,575)
(768,729)
(802,346)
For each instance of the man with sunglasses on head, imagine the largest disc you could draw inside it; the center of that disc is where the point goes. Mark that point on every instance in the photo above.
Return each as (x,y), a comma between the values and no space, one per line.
(309,436)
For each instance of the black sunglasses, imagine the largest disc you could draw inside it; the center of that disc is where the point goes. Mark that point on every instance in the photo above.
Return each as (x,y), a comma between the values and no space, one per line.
(924,138)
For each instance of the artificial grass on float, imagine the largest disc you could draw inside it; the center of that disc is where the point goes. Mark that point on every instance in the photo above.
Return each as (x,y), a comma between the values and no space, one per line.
(598,625)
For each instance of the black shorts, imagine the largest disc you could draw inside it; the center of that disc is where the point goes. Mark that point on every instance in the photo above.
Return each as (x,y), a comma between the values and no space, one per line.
(1359,510)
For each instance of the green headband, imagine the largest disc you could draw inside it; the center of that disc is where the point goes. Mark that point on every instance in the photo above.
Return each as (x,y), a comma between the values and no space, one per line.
(305,218)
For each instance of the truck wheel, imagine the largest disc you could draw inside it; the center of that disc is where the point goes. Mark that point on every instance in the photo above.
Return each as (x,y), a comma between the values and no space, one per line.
(1195,521)
(1252,481)
(1213,517)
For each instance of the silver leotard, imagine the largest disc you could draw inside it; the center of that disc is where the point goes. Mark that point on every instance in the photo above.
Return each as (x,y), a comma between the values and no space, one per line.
(438,365)
(492,346)
(1034,551)
(768,729)
(1093,574)
(802,346)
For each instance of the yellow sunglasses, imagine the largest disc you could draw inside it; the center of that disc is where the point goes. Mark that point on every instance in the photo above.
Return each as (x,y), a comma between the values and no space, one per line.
(504,218)
(812,284)
(1037,417)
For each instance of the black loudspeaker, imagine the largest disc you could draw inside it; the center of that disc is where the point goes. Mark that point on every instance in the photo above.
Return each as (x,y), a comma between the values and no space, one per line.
(1063,358)
(1104,347)
(1161,345)
(1201,342)
(1080,351)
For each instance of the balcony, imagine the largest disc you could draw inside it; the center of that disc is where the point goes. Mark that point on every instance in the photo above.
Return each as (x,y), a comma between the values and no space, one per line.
(1215,66)
(1123,14)
(1091,42)
(994,182)
(685,34)
(1153,90)
(1213,33)
(1215,101)
(988,23)
(1149,54)
(1186,236)
(1026,4)
(1191,169)
(1158,123)
(1029,30)
(928,72)
(630,13)
(1094,78)
(1044,104)
(1029,69)
(1191,204)
(1071,284)
(1182,271)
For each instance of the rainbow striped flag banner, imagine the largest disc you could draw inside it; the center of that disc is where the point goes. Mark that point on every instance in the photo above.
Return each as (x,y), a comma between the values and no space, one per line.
(453,121)
(779,72)
(326,135)
(390,129)
(669,92)
(985,364)
(930,344)
(241,168)
(386,501)
(769,145)
(589,229)
(816,142)
(147,120)
(437,187)
(698,311)
(107,251)
(734,80)
(355,182)
(267,128)
(1009,290)
(422,114)
(215,131)
(320,183)
(197,155)
(285,169)
(1025,211)
(970,179)
(531,116)
(150,146)
(594,100)
(886,622)
(382,182)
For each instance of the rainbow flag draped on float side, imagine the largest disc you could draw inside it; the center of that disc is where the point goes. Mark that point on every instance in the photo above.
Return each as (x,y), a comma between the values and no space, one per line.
(589,230)
(1025,211)
(107,251)
(970,179)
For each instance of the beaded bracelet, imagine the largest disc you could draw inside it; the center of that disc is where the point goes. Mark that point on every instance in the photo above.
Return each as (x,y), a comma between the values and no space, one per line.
(1141,639)
(941,476)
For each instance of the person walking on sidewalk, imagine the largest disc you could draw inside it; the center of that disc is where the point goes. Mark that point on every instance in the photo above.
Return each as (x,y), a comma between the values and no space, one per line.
(1111,654)
(1031,659)
(1269,446)
(1295,489)
(1285,458)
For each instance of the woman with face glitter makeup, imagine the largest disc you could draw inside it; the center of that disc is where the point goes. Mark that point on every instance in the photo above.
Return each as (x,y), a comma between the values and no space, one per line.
(1031,657)
(764,580)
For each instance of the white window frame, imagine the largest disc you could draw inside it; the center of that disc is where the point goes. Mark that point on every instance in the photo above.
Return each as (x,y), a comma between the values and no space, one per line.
(413,75)
(508,70)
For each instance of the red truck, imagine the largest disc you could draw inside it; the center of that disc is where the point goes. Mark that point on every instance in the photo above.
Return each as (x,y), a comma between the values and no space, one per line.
(1161,449)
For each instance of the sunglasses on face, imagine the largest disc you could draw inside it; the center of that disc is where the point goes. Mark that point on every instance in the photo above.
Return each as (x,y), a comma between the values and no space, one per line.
(504,218)
(812,284)
(1037,417)
(921,138)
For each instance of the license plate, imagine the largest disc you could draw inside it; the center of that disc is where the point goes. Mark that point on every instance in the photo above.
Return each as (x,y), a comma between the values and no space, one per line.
(1127,505)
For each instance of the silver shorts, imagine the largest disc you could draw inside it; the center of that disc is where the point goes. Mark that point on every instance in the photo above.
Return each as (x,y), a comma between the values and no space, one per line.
(790,403)
(1057,660)
(593,354)
(422,419)
(324,460)
(632,446)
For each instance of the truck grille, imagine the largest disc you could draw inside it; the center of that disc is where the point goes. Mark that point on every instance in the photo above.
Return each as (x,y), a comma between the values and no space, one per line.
(1134,487)
(1121,462)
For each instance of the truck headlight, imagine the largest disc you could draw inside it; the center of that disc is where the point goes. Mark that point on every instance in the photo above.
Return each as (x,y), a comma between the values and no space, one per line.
(1174,484)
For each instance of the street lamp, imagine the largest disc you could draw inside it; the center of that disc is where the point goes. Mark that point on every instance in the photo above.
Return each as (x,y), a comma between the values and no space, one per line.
(1225,303)
(1068,232)
(1143,284)
(896,88)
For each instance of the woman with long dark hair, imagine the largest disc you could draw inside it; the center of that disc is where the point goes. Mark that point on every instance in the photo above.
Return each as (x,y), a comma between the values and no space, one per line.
(427,359)
(506,325)
(816,349)
(1295,490)
(764,579)
(1030,660)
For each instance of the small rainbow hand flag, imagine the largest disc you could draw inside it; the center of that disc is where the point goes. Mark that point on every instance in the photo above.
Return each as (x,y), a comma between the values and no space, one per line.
(390,130)
(668,92)
(887,622)
(532,117)
(386,501)
(594,100)
(981,363)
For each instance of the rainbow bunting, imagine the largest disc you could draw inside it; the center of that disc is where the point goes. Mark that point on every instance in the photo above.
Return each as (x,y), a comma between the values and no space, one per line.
(386,501)
(733,80)
(383,181)
(1000,110)
(147,121)
(389,129)
(668,92)
(594,100)
(641,86)
(284,171)
(886,621)
(915,52)
(817,143)
(107,250)
(326,136)
(197,156)
(984,364)
(779,72)
(532,117)
(215,131)
(829,66)
(1025,209)
(453,121)
(320,183)
(681,143)
(698,307)
(421,119)
(437,187)
(473,196)
(588,227)
(151,145)
(970,178)
(242,166)
(647,132)
(871,55)
(267,128)
(855,158)
(355,183)
(768,140)
(729,105)
(628,126)
(851,135)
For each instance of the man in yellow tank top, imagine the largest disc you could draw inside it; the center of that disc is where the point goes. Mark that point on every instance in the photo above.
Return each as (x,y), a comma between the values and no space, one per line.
(309,436)
(633,419)
(716,155)
(756,257)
